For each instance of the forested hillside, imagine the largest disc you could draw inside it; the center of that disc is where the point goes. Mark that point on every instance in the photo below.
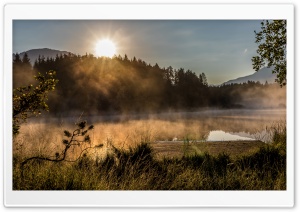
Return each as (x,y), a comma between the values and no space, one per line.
(122,85)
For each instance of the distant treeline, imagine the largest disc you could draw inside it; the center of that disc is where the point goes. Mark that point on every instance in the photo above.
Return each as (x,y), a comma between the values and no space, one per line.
(119,84)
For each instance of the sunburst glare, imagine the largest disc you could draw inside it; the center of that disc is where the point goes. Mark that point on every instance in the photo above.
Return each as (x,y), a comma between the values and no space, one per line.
(105,48)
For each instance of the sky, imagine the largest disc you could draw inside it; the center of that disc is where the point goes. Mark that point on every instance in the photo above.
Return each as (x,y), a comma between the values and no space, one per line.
(222,49)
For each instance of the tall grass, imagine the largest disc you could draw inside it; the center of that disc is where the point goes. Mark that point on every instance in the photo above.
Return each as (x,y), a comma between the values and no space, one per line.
(138,166)
(138,169)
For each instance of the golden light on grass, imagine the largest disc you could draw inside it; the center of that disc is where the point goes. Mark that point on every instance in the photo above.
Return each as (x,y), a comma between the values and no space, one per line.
(105,48)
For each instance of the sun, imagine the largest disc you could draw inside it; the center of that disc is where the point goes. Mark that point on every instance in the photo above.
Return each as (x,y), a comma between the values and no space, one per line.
(105,48)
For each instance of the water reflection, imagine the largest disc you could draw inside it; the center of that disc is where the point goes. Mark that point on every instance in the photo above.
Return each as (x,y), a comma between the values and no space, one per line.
(219,135)
(128,130)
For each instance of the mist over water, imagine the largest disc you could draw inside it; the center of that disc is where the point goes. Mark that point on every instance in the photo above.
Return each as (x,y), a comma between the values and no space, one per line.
(129,101)
(169,126)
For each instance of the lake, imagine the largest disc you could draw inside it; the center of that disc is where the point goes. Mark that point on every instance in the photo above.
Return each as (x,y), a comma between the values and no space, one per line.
(204,125)
(45,135)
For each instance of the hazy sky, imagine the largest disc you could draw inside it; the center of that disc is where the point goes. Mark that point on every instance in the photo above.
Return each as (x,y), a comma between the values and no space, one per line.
(222,49)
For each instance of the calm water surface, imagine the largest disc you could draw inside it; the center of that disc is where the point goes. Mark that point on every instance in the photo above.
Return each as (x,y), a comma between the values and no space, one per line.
(45,135)
(204,125)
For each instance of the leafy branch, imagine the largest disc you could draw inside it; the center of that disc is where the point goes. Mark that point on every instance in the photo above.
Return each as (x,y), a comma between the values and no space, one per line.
(31,100)
(78,137)
(271,50)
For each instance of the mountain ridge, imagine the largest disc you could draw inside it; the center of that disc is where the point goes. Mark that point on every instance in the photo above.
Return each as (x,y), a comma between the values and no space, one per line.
(263,75)
(34,54)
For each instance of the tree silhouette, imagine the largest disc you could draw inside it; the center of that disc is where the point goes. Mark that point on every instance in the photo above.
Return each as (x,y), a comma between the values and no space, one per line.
(25,59)
(119,85)
(31,100)
(272,48)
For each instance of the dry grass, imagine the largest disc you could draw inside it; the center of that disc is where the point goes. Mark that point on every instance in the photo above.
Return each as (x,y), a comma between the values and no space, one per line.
(139,169)
(160,164)
(232,148)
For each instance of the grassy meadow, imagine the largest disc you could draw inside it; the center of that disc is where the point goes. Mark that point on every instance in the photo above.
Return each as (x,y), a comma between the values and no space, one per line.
(135,156)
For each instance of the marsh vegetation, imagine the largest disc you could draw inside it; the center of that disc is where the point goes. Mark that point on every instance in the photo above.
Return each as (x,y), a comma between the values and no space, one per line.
(139,168)
(140,153)
(152,128)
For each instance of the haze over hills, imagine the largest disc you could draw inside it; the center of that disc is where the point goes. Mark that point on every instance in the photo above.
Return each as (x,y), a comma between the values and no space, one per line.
(33,54)
(123,85)
(263,75)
